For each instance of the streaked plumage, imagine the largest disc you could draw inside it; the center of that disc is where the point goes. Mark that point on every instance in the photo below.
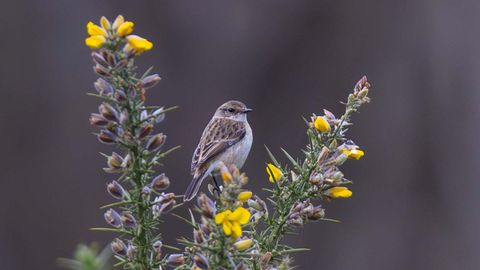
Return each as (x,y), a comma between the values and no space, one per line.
(227,138)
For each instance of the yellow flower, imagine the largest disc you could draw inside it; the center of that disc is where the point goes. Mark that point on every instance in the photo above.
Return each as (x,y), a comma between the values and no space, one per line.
(95,42)
(226,175)
(118,21)
(244,196)
(243,244)
(353,153)
(139,44)
(339,192)
(232,221)
(125,29)
(95,30)
(274,173)
(321,124)
(105,23)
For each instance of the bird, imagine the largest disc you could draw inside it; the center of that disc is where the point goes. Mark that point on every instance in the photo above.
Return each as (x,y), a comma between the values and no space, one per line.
(226,139)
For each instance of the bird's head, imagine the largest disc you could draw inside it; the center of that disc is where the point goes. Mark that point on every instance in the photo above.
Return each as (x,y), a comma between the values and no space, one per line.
(233,109)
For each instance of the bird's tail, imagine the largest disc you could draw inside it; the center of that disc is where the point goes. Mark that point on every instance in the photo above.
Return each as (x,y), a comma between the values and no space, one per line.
(194,186)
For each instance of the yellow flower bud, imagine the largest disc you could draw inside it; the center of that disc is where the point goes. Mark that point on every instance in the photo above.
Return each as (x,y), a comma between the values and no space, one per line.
(226,175)
(339,192)
(353,153)
(244,196)
(95,30)
(321,124)
(125,29)
(118,21)
(105,23)
(274,173)
(243,244)
(139,44)
(95,42)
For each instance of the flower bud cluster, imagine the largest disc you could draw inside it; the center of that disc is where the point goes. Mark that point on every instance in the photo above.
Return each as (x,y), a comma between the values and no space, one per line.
(303,211)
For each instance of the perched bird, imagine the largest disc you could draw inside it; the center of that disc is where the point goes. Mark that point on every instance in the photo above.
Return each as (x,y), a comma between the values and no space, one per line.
(227,138)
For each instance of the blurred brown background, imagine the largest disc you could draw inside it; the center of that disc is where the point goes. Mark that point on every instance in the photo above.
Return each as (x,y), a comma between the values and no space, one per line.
(415,203)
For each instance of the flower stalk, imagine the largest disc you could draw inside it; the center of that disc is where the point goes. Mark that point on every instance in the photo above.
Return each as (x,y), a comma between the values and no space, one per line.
(126,123)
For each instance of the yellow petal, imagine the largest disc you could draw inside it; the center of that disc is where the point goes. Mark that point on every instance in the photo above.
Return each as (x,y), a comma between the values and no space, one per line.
(227,228)
(226,175)
(236,230)
(321,124)
(244,196)
(274,173)
(220,217)
(339,192)
(139,44)
(243,244)
(95,42)
(95,30)
(105,23)
(125,29)
(118,21)
(354,153)
(240,215)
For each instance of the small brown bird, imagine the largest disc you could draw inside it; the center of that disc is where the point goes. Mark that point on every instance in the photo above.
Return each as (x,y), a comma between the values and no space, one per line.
(227,138)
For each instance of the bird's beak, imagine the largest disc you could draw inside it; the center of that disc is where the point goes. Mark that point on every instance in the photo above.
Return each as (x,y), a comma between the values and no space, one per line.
(247,110)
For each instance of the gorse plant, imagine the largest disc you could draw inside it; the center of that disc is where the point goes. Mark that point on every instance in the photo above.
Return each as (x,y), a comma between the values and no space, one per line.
(128,124)
(232,227)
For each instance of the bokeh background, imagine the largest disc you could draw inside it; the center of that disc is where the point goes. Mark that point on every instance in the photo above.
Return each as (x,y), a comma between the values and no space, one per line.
(415,203)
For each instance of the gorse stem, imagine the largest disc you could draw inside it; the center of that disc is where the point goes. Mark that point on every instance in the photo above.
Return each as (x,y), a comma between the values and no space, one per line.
(128,124)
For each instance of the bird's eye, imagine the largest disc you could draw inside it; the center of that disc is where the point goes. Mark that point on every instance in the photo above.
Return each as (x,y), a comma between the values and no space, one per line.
(231,110)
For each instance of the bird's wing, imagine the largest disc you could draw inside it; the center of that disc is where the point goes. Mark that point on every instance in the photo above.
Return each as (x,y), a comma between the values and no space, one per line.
(219,135)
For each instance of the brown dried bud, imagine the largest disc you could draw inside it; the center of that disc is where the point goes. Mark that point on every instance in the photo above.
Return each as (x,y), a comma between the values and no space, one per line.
(113,218)
(98,59)
(156,142)
(265,259)
(119,247)
(107,111)
(205,227)
(97,120)
(361,84)
(316,178)
(161,182)
(110,59)
(175,260)
(116,190)
(150,81)
(145,131)
(120,95)
(115,161)
(200,261)
(318,213)
(206,205)
(128,220)
(103,87)
(323,155)
(106,137)
(164,198)
(102,71)
(131,251)
(198,236)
